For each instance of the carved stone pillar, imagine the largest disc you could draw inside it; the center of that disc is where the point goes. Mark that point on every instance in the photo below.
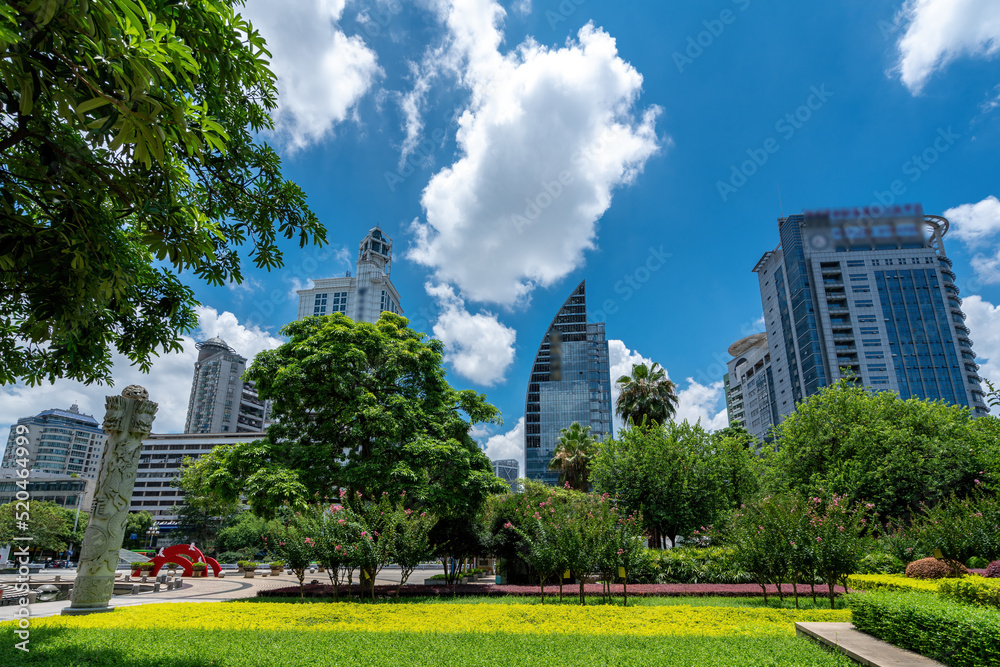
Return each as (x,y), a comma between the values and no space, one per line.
(128,420)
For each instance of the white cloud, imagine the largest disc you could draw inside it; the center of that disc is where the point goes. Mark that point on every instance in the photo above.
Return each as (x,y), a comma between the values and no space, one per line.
(509,445)
(940,31)
(694,402)
(548,135)
(168,383)
(987,267)
(477,347)
(984,322)
(706,403)
(621,359)
(321,72)
(978,227)
(972,223)
(297,284)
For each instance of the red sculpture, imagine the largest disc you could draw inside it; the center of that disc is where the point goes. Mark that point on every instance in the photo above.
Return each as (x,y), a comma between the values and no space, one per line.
(184,555)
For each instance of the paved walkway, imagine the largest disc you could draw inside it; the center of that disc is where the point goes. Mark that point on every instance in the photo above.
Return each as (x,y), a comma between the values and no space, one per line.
(233,586)
(862,648)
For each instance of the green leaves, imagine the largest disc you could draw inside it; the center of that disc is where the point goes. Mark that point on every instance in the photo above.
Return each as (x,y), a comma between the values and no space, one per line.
(129,140)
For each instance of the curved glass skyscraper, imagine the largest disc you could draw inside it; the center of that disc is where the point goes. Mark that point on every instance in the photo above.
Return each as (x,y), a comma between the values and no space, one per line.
(570,382)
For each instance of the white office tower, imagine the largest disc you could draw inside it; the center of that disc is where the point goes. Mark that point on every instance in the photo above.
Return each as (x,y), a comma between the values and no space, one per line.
(362,297)
(63,442)
(750,391)
(221,402)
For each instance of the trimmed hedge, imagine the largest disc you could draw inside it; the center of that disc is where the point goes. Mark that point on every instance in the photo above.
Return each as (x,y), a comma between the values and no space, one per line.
(891,582)
(971,590)
(955,634)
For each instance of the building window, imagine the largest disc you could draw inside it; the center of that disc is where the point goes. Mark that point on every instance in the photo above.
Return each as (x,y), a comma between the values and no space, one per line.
(319,306)
(339,302)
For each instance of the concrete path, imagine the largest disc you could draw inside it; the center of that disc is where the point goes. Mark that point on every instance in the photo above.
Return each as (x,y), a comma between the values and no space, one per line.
(862,648)
(202,589)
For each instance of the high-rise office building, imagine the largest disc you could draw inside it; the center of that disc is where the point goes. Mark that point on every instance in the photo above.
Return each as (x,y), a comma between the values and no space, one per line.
(750,387)
(507,470)
(570,382)
(362,297)
(221,402)
(160,463)
(57,441)
(871,294)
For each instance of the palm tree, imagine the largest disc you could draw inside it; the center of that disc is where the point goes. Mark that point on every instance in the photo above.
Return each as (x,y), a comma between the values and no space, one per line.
(574,451)
(646,395)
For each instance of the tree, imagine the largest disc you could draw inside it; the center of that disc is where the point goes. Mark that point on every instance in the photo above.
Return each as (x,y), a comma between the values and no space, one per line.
(365,408)
(128,138)
(574,451)
(137,523)
(875,447)
(203,513)
(242,534)
(668,473)
(740,467)
(49,525)
(646,395)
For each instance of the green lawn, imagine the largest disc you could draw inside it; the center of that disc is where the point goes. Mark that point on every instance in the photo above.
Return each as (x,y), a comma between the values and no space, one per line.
(716,632)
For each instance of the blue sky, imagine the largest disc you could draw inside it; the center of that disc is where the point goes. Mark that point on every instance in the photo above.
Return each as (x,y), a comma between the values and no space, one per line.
(680,131)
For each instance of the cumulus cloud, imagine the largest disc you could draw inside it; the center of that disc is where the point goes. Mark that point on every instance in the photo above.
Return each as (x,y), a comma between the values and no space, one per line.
(620,360)
(978,227)
(548,135)
(509,445)
(940,31)
(477,346)
(169,381)
(706,403)
(321,72)
(984,321)
(696,401)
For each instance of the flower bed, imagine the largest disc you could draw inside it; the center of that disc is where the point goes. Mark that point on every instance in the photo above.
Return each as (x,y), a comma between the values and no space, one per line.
(493,590)
(518,619)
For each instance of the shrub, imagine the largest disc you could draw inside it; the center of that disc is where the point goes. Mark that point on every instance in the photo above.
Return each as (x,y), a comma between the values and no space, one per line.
(243,564)
(199,566)
(230,557)
(146,565)
(959,635)
(277,565)
(172,566)
(878,562)
(890,582)
(993,569)
(976,563)
(971,590)
(700,565)
(932,568)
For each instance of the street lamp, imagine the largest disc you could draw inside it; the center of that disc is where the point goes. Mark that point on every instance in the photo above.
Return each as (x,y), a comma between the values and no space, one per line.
(153,531)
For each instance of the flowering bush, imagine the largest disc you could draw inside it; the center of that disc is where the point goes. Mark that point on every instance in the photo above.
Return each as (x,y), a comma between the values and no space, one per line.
(293,545)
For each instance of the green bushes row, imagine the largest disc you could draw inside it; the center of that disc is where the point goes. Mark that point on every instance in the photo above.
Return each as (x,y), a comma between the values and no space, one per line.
(971,590)
(955,634)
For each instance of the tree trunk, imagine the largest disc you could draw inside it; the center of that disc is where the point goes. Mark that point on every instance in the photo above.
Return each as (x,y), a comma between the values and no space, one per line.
(831,583)
(795,589)
(541,585)
(812,585)
(583,599)
(625,589)
(763,587)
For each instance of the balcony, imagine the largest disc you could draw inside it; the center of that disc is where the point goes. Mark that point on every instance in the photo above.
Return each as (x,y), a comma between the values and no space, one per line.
(948,274)
(843,337)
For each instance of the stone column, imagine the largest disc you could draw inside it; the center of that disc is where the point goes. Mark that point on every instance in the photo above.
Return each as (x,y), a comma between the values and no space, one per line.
(128,420)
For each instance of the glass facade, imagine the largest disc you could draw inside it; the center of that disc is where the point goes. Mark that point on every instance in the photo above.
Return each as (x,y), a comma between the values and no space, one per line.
(570,382)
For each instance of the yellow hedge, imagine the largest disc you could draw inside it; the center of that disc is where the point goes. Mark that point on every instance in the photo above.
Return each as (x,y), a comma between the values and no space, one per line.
(681,620)
(891,582)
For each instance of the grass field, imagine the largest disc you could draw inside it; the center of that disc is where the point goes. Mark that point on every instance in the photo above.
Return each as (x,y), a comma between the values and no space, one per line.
(469,632)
